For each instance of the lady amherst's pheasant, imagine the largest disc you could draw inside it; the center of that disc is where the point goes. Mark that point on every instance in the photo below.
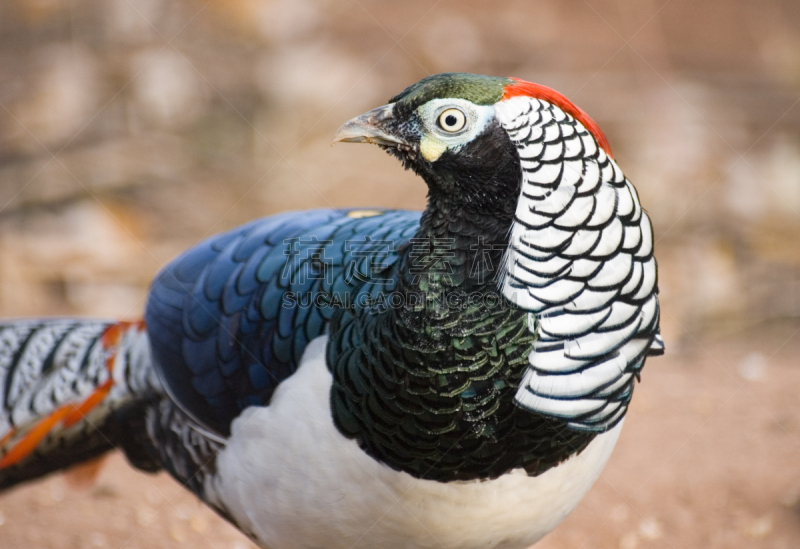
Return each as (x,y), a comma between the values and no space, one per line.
(378,378)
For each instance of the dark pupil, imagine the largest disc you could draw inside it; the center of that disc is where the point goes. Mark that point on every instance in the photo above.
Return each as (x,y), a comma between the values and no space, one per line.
(450,120)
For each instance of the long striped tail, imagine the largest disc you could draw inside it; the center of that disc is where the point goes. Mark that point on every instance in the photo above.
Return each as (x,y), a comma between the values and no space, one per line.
(71,390)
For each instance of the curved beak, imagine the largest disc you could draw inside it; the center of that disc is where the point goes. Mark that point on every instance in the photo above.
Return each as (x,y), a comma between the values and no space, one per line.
(370,127)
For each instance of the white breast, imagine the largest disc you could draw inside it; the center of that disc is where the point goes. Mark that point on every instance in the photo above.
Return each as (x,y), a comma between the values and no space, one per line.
(292,480)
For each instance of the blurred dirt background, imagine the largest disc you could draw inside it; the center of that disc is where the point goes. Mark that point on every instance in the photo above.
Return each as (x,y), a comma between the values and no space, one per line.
(130,130)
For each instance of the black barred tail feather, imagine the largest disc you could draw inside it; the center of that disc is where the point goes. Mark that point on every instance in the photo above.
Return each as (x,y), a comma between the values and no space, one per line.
(71,390)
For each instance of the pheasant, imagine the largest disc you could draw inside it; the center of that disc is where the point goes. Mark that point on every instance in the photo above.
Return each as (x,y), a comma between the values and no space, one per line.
(379,378)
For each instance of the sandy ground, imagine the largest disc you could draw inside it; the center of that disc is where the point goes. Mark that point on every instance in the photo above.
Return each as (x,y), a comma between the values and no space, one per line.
(708,459)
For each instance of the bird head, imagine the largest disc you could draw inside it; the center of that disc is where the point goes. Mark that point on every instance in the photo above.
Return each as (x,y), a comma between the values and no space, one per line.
(455,131)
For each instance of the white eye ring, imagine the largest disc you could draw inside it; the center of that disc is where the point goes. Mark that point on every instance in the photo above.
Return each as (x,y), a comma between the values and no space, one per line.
(452,120)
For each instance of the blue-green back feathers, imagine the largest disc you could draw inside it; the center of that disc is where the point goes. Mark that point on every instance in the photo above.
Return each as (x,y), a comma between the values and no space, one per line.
(230,318)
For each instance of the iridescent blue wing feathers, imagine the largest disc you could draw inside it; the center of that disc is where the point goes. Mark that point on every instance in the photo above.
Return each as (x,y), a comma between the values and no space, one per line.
(230,318)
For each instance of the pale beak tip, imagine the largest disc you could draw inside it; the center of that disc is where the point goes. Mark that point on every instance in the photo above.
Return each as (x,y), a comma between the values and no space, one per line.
(368,128)
(344,135)
(352,131)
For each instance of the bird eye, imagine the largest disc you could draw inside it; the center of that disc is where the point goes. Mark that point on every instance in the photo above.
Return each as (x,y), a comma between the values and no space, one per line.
(452,120)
